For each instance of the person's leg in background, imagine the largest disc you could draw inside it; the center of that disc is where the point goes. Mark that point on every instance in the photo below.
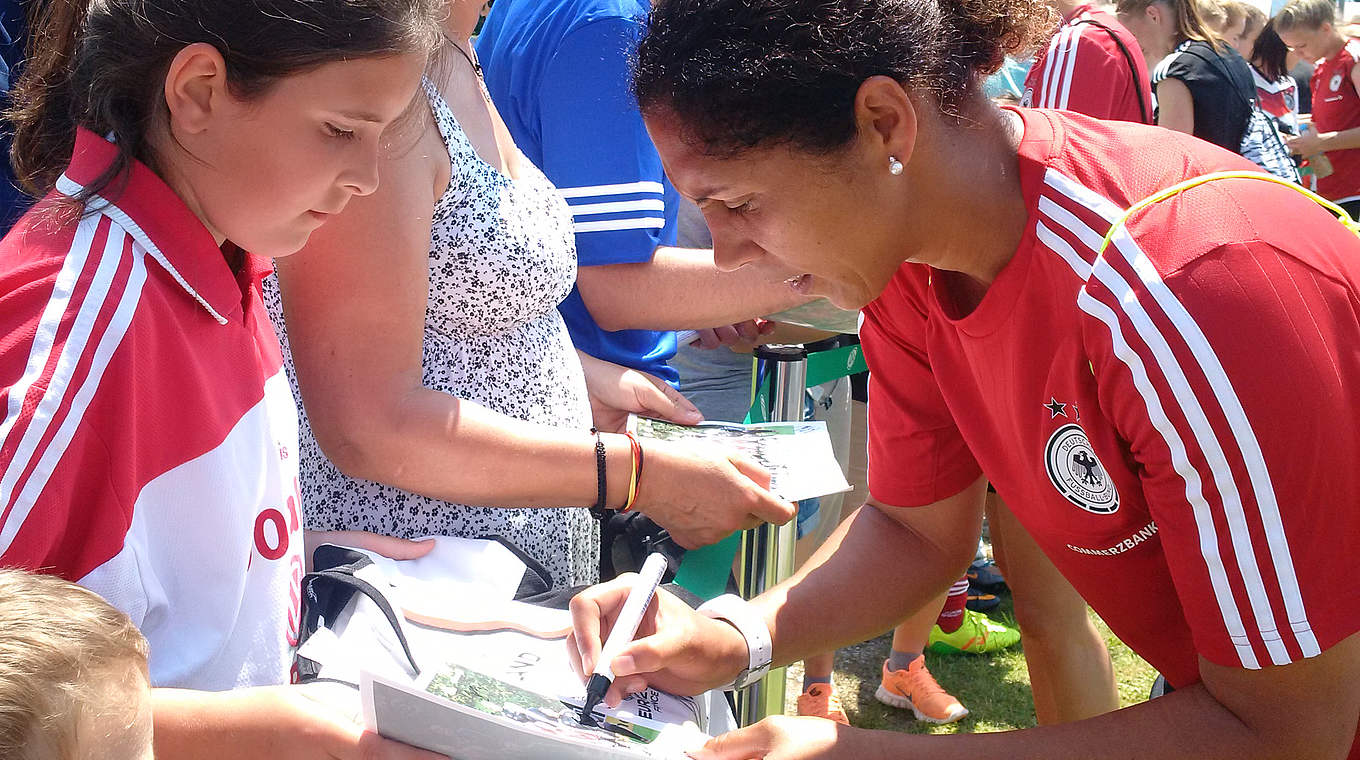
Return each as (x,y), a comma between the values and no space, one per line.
(906,681)
(1069,666)
(959,630)
(845,422)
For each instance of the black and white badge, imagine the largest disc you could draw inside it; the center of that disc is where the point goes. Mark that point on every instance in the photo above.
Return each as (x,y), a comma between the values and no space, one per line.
(1076,472)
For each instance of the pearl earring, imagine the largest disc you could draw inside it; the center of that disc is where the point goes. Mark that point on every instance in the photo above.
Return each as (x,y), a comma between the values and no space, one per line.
(894,166)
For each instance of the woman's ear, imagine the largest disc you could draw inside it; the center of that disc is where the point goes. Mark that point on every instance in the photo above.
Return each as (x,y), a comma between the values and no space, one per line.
(1154,13)
(886,115)
(196,89)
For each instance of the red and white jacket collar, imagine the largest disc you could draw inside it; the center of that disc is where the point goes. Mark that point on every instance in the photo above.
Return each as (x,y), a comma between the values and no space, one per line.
(159,221)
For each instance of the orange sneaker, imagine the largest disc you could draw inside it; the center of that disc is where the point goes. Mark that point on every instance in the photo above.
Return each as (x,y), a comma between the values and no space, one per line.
(915,688)
(820,701)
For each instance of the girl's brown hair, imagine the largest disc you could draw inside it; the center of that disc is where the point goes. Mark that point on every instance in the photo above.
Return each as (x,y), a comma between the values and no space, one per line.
(100,64)
(1190,23)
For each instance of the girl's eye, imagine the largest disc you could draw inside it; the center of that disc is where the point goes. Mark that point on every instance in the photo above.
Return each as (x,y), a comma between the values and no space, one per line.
(742,209)
(343,134)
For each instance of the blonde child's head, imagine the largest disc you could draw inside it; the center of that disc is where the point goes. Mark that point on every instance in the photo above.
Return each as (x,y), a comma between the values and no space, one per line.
(73,674)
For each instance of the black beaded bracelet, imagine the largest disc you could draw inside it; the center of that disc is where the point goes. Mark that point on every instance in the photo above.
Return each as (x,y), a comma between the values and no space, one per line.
(602,485)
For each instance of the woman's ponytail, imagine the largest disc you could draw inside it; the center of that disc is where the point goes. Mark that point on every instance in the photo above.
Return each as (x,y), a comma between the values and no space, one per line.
(43,101)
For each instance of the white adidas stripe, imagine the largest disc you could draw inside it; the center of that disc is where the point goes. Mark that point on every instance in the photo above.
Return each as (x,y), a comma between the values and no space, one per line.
(46,336)
(1053,62)
(108,343)
(617,189)
(72,349)
(589,209)
(1194,488)
(1073,43)
(1244,436)
(607,225)
(1258,474)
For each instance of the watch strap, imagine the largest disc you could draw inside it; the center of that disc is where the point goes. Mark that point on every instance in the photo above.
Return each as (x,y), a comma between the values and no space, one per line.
(740,614)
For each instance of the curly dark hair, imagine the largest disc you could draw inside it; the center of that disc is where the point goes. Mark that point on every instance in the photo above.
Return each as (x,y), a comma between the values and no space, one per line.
(742,73)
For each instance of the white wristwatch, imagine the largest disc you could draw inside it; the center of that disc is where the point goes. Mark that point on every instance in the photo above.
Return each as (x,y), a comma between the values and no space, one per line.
(741,615)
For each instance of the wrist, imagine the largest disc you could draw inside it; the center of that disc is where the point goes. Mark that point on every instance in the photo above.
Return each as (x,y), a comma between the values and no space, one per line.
(619,466)
(736,654)
(746,656)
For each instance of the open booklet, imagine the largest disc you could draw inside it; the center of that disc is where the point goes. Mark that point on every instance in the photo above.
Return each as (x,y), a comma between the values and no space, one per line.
(455,666)
(468,714)
(798,455)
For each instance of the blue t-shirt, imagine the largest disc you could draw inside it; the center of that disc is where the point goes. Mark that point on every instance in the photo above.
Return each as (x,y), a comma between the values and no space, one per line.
(12,201)
(558,71)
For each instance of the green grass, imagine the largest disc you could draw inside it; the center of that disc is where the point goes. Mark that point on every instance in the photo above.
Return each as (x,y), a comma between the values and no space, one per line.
(994,688)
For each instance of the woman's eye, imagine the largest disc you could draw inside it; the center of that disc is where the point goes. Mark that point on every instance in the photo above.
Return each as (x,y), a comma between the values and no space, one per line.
(334,131)
(744,208)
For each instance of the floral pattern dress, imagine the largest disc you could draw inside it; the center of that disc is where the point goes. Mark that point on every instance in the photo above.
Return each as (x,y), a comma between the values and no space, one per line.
(502,257)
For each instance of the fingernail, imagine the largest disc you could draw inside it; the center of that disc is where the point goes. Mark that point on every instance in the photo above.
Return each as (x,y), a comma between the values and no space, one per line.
(624,665)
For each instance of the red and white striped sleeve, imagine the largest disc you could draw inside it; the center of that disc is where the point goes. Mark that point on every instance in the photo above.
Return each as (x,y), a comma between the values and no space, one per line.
(65,305)
(1054,73)
(1084,70)
(1235,378)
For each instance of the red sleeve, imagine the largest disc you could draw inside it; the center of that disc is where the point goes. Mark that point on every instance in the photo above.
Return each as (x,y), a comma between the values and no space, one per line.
(1101,83)
(1083,70)
(1235,381)
(64,507)
(916,453)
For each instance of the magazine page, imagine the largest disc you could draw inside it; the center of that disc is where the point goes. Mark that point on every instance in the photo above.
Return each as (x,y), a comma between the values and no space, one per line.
(526,646)
(798,455)
(468,714)
(515,642)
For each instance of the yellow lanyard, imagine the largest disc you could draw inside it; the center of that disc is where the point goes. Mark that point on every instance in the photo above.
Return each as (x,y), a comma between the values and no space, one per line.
(1180,187)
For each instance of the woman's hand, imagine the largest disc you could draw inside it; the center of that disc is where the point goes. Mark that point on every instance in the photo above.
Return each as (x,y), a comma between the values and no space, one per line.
(675,648)
(701,492)
(1310,143)
(785,738)
(388,546)
(741,337)
(617,391)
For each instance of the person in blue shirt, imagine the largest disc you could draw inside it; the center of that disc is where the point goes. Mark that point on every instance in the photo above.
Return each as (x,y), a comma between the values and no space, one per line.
(12,36)
(558,72)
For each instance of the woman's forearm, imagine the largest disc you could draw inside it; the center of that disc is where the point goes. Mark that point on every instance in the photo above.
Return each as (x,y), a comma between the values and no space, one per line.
(451,449)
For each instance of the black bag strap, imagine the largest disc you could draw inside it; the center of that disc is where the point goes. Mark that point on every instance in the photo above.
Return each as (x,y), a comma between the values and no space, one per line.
(627,538)
(329,589)
(537,580)
(1238,85)
(1143,109)
(327,592)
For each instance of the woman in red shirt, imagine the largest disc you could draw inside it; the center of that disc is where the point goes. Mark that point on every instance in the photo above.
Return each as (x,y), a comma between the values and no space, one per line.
(1163,393)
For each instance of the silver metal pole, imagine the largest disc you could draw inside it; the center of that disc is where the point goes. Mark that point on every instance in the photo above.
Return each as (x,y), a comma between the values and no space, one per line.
(766,556)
